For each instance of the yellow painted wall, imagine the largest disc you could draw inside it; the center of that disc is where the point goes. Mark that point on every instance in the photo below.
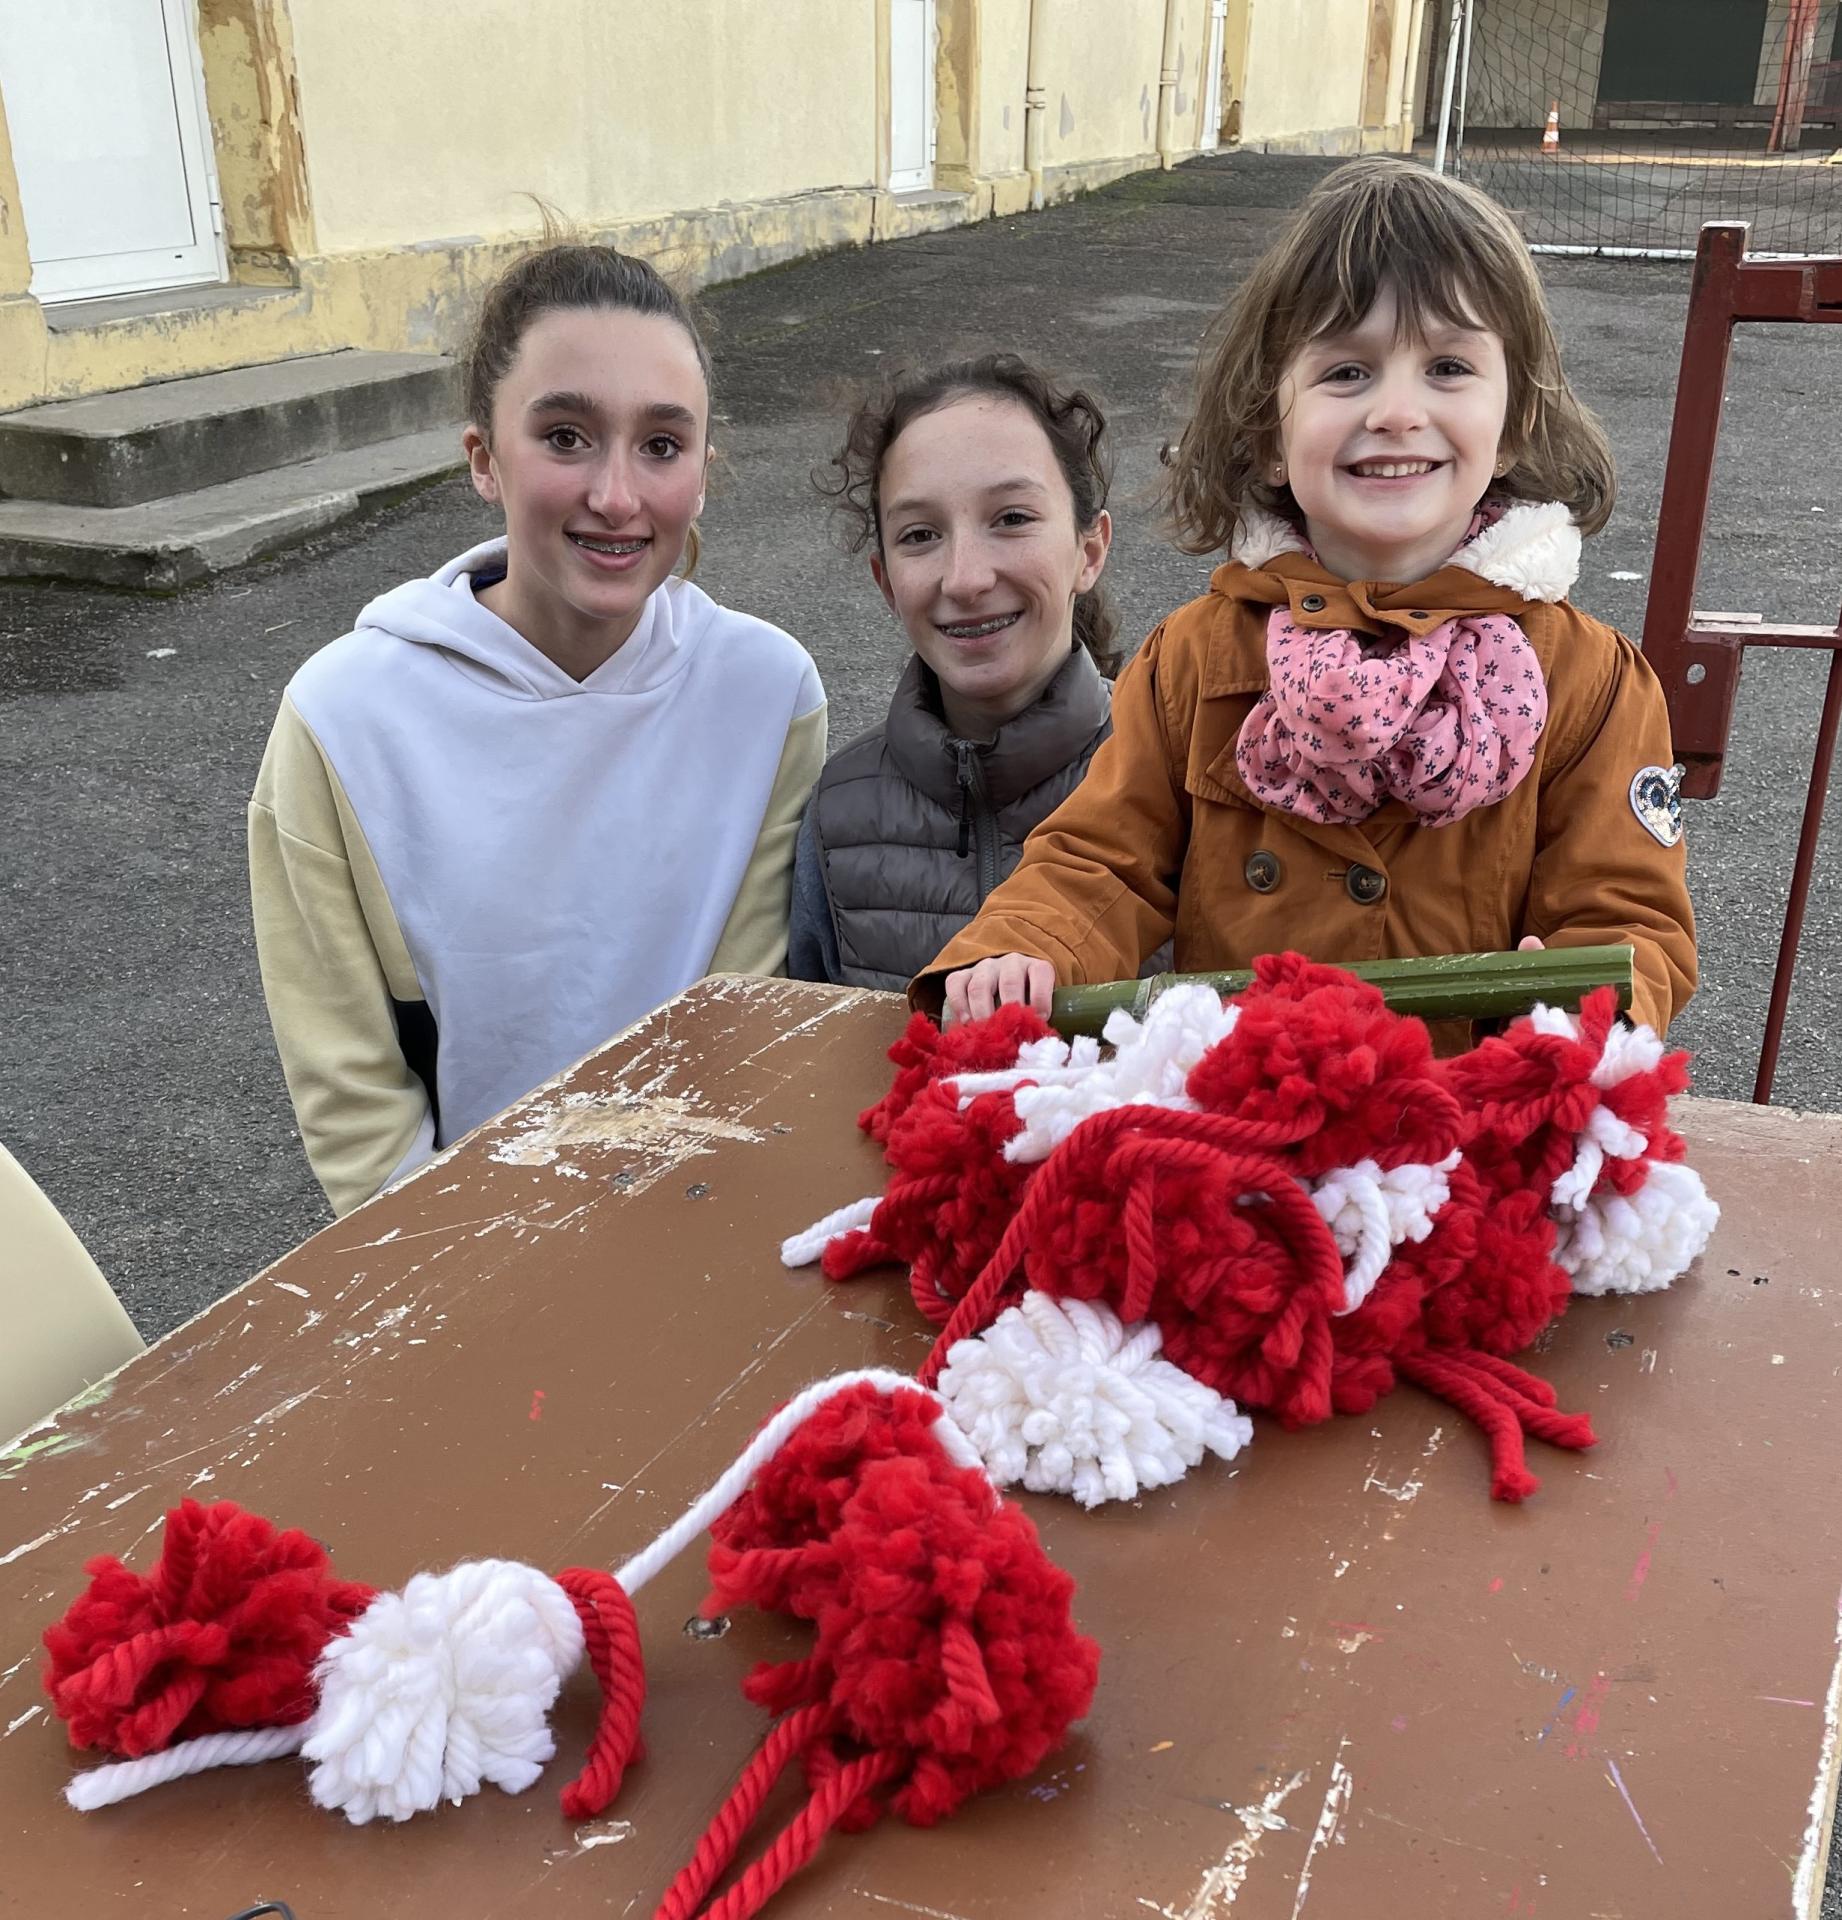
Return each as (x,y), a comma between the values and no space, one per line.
(1305,70)
(425,123)
(1004,53)
(1101,71)
(376,158)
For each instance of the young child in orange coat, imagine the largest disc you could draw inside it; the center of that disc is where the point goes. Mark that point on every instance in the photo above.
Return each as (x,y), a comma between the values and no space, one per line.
(1384,731)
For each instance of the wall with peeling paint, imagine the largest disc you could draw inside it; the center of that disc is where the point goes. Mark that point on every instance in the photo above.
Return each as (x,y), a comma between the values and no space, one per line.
(1104,58)
(376,162)
(1305,73)
(422,123)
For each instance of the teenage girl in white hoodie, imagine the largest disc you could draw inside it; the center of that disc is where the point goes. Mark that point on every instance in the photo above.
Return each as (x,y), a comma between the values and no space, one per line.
(535,795)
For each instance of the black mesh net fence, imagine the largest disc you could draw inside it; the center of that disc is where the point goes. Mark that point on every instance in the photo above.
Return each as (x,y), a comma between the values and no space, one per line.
(1611,125)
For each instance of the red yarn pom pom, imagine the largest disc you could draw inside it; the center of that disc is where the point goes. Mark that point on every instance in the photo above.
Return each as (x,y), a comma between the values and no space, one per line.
(926,1053)
(945,1633)
(223,1633)
(1316,1045)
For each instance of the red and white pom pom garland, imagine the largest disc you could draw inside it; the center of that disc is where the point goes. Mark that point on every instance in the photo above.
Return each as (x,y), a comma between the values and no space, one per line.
(1283,1197)
(946,1658)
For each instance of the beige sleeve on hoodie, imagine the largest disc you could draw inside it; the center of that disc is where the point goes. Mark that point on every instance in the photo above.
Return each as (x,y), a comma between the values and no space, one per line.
(754,938)
(333,958)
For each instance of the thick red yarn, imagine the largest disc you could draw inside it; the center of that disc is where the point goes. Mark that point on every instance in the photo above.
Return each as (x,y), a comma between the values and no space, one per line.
(926,1053)
(1530,1094)
(221,1634)
(946,1660)
(223,1631)
(1200,1222)
(952,1193)
(1314,1042)
(611,1640)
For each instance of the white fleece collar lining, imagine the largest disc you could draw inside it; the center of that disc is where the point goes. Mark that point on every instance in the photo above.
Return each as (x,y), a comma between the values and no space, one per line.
(1533,550)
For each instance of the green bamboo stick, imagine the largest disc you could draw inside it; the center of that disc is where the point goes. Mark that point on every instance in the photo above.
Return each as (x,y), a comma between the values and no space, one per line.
(1446,986)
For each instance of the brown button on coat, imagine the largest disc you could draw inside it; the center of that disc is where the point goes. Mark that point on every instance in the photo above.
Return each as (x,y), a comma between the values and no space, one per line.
(1164,835)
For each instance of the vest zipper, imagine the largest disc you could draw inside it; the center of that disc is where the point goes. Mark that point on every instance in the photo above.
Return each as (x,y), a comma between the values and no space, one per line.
(976,824)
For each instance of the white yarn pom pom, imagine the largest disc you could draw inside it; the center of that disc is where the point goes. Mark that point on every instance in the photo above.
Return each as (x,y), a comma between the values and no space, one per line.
(802,1248)
(1615,1243)
(440,1688)
(1059,1397)
(1058,1085)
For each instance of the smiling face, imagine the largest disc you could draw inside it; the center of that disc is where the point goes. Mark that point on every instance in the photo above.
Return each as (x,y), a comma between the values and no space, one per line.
(981,559)
(597,452)
(1390,443)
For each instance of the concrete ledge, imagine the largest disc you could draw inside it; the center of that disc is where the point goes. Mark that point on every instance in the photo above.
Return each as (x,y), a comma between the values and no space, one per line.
(165,544)
(179,436)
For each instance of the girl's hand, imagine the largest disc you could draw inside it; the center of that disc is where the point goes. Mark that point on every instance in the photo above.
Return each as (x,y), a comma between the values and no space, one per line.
(1530,945)
(974,992)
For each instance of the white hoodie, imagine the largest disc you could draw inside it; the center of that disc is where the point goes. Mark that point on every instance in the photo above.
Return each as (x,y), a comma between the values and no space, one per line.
(470,869)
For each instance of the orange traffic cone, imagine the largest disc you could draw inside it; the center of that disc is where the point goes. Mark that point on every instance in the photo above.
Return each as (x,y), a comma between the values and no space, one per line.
(1551,133)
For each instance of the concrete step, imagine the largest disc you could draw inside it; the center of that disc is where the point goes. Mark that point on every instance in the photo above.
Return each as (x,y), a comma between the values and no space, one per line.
(116,450)
(160,545)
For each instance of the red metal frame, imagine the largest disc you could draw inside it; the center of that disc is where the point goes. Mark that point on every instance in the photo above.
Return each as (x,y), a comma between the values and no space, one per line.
(1697,655)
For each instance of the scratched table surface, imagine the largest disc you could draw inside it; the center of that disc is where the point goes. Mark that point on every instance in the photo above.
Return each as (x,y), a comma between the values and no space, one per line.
(1336,1678)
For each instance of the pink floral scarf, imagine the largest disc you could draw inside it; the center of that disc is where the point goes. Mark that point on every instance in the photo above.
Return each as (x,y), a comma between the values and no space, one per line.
(1446,721)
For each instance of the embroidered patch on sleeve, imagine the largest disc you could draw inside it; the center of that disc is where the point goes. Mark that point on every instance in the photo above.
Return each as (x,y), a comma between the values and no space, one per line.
(1656,799)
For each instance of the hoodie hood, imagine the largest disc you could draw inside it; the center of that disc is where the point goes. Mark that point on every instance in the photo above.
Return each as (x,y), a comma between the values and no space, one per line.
(1532,549)
(443,612)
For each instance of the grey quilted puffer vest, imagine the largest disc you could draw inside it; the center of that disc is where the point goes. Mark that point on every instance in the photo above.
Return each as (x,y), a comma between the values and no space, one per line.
(915,827)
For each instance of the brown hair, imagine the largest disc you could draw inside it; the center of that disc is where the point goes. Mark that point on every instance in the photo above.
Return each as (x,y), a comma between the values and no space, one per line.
(1071,421)
(560,276)
(1449,254)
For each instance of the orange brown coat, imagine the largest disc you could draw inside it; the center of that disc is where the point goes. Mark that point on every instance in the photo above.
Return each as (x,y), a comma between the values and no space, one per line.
(1163,836)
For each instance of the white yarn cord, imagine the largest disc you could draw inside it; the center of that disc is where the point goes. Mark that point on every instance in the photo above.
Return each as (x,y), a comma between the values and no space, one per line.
(711,1505)
(123,1779)
(803,1248)
(1061,1397)
(1370,1213)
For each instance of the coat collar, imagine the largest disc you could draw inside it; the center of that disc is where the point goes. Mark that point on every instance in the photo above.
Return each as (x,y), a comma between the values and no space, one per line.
(1032,748)
(1532,550)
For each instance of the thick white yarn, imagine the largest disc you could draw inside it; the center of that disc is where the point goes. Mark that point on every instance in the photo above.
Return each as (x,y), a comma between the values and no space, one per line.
(803,1248)
(123,1779)
(440,1689)
(448,1685)
(1370,1213)
(1059,1397)
(1059,1083)
(1639,1243)
(1612,1242)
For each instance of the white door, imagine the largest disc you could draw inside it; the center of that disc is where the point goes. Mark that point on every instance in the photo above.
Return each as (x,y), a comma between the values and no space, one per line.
(911,95)
(104,104)
(1212,77)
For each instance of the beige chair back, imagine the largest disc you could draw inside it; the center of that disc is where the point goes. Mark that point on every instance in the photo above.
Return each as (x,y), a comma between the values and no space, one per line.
(61,1327)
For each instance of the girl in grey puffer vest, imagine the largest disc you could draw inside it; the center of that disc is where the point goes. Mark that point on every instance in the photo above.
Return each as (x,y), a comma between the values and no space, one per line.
(980,490)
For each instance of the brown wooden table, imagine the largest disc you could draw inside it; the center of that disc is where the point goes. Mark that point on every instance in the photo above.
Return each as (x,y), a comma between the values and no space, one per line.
(1337,1680)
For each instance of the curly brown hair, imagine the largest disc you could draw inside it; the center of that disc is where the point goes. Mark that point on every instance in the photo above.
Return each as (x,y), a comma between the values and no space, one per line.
(1071,420)
(1450,255)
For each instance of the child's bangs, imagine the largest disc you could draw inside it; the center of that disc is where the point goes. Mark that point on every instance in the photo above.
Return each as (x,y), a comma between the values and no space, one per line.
(1428,297)
(1442,270)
